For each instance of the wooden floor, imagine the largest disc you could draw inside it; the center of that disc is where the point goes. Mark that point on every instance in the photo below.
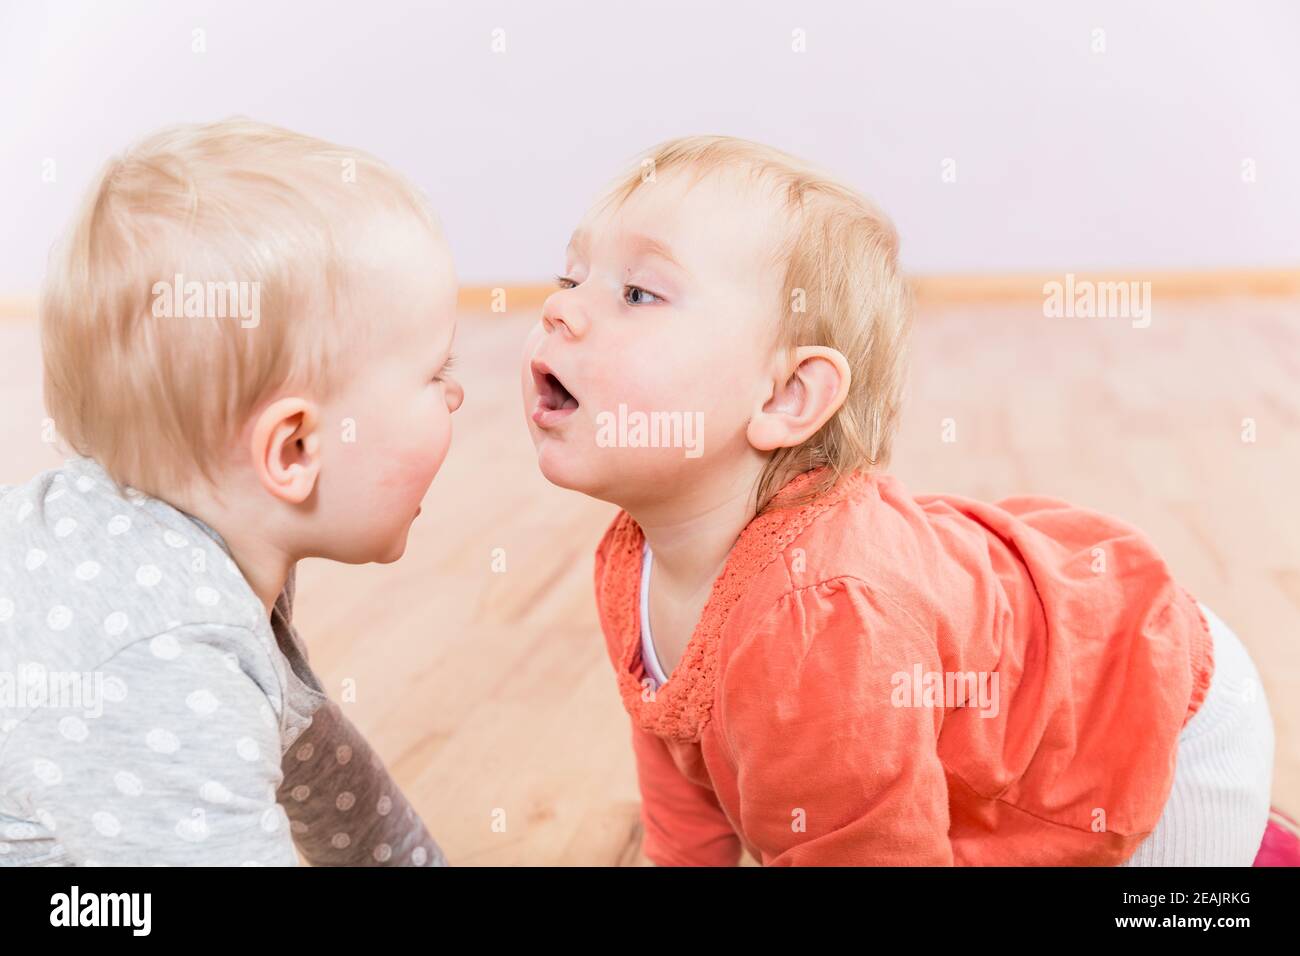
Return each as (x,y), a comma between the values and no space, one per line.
(490,692)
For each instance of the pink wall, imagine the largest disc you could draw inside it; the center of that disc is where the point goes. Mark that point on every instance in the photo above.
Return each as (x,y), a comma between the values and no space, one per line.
(1066,159)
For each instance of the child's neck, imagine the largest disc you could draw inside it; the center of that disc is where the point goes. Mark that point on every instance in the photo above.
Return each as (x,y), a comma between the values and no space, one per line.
(691,538)
(265,567)
(263,562)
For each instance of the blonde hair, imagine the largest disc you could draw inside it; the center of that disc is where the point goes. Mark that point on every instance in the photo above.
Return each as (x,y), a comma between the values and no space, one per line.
(842,289)
(155,399)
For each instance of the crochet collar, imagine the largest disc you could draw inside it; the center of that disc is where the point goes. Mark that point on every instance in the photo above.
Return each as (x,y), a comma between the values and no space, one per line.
(680,709)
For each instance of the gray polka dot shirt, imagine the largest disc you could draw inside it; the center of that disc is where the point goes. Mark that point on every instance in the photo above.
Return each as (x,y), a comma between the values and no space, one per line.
(151,713)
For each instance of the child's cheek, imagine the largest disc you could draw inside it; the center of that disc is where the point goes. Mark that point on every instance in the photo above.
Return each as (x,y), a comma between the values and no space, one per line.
(411,471)
(649,391)
(439,446)
(632,382)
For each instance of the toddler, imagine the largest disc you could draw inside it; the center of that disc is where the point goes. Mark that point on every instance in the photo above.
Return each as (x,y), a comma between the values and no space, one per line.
(821,667)
(246,338)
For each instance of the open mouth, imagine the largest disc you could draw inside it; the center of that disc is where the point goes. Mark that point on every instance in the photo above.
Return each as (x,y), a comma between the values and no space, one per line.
(554,402)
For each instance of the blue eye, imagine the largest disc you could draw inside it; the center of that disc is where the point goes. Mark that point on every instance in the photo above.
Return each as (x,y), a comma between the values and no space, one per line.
(635,295)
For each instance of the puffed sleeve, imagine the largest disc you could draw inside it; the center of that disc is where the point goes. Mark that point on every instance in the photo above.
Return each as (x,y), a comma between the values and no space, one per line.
(830,769)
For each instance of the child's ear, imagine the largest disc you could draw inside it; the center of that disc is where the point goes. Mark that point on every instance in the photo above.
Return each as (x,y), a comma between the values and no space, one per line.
(805,393)
(285,447)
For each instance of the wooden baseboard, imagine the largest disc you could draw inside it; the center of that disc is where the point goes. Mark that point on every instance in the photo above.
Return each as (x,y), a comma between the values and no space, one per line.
(929,289)
(956,288)
(17,307)
(960,288)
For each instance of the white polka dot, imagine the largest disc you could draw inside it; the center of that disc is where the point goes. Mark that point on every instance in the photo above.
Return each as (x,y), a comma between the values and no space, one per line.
(46,819)
(300,792)
(33,672)
(119,524)
(148,575)
(173,539)
(419,855)
(297,826)
(114,690)
(202,702)
(65,527)
(383,853)
(346,801)
(292,733)
(385,806)
(35,558)
(85,483)
(343,755)
(247,748)
(340,841)
(20,831)
(87,570)
(207,596)
(59,618)
(162,741)
(47,771)
(115,623)
(74,729)
(231,660)
(195,829)
(55,495)
(165,647)
(24,510)
(128,783)
(273,819)
(6,609)
(305,752)
(106,824)
(214,792)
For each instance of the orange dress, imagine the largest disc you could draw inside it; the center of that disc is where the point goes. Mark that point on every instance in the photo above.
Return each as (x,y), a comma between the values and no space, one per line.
(798,722)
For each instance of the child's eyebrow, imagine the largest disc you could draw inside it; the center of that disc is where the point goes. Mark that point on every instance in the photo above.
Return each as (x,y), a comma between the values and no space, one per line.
(645,245)
(638,243)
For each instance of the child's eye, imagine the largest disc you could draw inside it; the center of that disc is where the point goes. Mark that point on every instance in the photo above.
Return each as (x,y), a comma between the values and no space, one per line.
(564,282)
(446,367)
(635,295)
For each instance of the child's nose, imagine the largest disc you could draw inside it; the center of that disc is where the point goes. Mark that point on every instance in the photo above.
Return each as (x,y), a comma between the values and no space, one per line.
(563,316)
(455,395)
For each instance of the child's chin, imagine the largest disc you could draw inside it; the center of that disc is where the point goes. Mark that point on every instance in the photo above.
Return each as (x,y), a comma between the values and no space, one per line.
(393,551)
(564,469)
(393,555)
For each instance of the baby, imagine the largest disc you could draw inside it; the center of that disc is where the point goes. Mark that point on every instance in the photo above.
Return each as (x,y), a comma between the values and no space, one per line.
(246,338)
(821,667)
